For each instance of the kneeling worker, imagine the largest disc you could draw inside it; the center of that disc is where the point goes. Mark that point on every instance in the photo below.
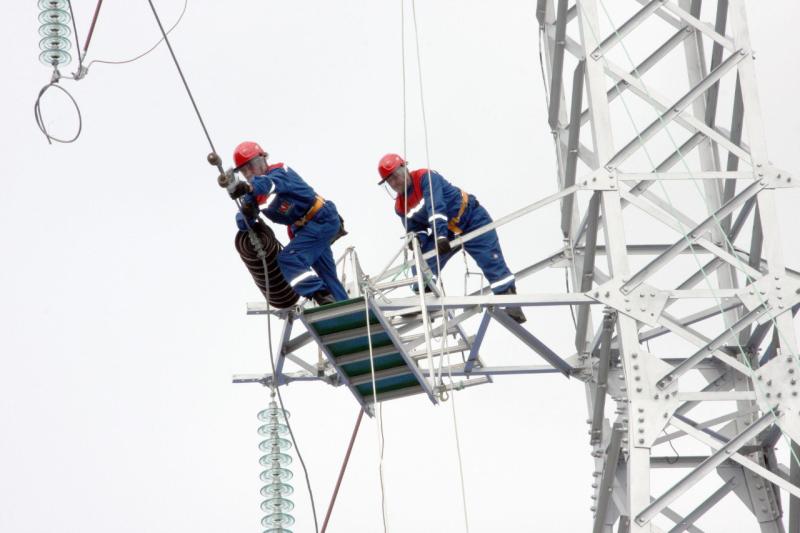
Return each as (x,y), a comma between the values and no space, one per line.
(307,261)
(452,213)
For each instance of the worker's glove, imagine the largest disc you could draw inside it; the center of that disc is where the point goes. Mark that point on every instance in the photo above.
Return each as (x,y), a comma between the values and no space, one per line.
(239,189)
(443,246)
(250,210)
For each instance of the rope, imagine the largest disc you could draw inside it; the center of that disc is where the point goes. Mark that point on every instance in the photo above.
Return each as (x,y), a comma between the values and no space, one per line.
(75,29)
(706,277)
(123,61)
(379,426)
(341,470)
(183,78)
(37,112)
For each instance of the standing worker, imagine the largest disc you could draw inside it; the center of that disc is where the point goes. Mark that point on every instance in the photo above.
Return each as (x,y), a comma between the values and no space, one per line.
(437,211)
(307,261)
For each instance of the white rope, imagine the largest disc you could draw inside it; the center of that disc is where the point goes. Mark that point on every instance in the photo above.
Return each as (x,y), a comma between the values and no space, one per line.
(375,406)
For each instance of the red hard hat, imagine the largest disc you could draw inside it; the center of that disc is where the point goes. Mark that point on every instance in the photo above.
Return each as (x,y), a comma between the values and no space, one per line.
(246,152)
(389,163)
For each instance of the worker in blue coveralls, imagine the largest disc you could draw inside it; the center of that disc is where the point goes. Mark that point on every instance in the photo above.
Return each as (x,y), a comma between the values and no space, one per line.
(426,202)
(313,222)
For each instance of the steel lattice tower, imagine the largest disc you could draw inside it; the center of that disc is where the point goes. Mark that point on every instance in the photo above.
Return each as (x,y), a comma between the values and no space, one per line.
(716,300)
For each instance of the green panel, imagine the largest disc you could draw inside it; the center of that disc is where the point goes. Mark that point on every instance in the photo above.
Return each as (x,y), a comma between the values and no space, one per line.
(343,323)
(383,362)
(333,305)
(388,384)
(358,344)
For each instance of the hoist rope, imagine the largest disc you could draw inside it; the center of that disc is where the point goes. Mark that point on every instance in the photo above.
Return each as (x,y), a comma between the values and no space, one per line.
(75,29)
(439,281)
(759,388)
(183,78)
(342,470)
(376,407)
(37,113)
(256,243)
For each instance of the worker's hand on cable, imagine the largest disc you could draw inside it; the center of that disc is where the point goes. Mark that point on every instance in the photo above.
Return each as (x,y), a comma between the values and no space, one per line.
(443,246)
(240,189)
(250,210)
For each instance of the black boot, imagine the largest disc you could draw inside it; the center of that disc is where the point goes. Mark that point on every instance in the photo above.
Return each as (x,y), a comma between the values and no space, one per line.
(323,297)
(515,313)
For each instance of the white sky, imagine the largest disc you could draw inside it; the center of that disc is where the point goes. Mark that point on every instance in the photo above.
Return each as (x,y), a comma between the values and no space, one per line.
(123,299)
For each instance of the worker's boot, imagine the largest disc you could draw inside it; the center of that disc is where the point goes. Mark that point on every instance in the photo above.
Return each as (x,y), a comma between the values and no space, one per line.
(515,313)
(323,297)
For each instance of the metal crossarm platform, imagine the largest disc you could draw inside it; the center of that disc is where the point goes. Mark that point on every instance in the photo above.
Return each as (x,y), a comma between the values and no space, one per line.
(355,349)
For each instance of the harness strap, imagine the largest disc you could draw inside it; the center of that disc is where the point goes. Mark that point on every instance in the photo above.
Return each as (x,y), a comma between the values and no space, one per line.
(452,224)
(316,206)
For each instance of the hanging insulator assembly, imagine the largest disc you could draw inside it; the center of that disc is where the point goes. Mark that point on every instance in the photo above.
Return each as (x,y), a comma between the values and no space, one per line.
(276,460)
(55,33)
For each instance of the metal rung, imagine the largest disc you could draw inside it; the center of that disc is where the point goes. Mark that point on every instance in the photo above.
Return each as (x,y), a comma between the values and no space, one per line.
(379,375)
(393,395)
(349,334)
(364,355)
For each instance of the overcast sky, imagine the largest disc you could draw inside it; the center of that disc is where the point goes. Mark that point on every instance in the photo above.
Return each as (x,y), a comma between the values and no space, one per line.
(123,300)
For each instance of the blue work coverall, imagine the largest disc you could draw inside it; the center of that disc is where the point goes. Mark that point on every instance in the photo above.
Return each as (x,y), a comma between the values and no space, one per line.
(452,213)
(307,261)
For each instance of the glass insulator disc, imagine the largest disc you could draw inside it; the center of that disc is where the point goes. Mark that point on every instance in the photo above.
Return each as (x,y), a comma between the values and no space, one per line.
(53,4)
(277,505)
(50,30)
(271,412)
(269,444)
(271,458)
(277,519)
(59,57)
(276,489)
(54,16)
(54,43)
(275,475)
(267,429)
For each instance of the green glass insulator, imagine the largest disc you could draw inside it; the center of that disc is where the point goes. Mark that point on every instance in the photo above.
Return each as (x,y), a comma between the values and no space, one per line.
(277,505)
(53,4)
(276,457)
(59,57)
(275,475)
(269,444)
(277,520)
(55,43)
(50,30)
(53,16)
(277,530)
(272,412)
(267,429)
(276,489)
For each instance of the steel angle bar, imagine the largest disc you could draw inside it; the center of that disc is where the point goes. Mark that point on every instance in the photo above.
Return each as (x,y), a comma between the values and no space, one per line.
(529,339)
(701,509)
(747,463)
(690,123)
(494,225)
(572,147)
(706,424)
(285,334)
(601,388)
(587,272)
(685,461)
(708,466)
(727,396)
(627,27)
(705,28)
(712,98)
(459,370)
(550,262)
(541,12)
(502,300)
(607,479)
(693,234)
(640,69)
(691,319)
(476,344)
(744,321)
(311,369)
(772,349)
(794,479)
(557,64)
(701,341)
(674,110)
(704,175)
